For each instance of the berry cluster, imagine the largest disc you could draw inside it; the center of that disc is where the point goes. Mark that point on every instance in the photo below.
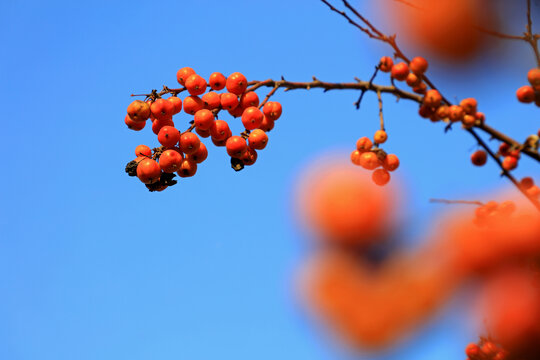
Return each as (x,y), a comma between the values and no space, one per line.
(528,185)
(485,350)
(530,93)
(493,212)
(433,106)
(369,156)
(181,152)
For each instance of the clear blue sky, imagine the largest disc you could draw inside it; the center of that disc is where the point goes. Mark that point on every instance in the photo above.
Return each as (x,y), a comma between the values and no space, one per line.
(94,267)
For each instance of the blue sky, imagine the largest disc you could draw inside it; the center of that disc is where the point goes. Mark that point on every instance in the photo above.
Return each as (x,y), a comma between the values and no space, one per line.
(93,266)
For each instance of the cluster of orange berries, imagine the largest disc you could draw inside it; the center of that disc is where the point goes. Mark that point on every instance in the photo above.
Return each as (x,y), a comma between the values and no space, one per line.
(528,185)
(374,158)
(182,151)
(485,350)
(493,212)
(530,93)
(432,106)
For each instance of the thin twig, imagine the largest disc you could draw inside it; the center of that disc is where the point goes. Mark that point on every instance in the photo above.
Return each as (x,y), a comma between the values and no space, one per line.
(381,117)
(359,101)
(466,202)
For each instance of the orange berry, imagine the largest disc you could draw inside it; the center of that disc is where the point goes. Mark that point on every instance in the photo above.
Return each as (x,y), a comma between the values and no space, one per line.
(472,350)
(148,171)
(138,110)
(143,150)
(400,71)
(534,191)
(162,109)
(479,116)
(170,161)
(267,124)
(479,158)
(217,81)
(236,83)
(249,99)
(420,88)
(202,133)
(432,98)
(188,168)
(534,78)
(526,182)
(134,125)
(258,139)
(364,144)
(219,130)
(525,94)
(272,110)
(200,155)
(510,163)
(237,111)
(252,118)
(469,105)
(195,84)
(380,136)
(229,101)
(468,121)
(183,74)
(192,104)
(189,143)
(211,100)
(369,160)
(391,162)
(386,64)
(419,65)
(177,102)
(236,146)
(158,124)
(168,136)
(456,113)
(413,80)
(249,157)
(504,149)
(203,119)
(355,157)
(426,111)
(380,177)
(443,112)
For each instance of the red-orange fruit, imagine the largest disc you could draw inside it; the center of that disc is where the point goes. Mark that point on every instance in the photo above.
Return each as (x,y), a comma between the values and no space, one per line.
(432,98)
(380,177)
(267,124)
(192,104)
(526,183)
(168,136)
(219,130)
(258,139)
(400,71)
(229,101)
(189,143)
(380,136)
(217,81)
(249,157)
(138,110)
(472,350)
(236,83)
(188,168)
(364,144)
(480,116)
(177,102)
(525,94)
(183,74)
(203,119)
(443,112)
(200,155)
(420,88)
(469,105)
(158,124)
(170,161)
(456,113)
(272,110)
(237,111)
(534,191)
(236,146)
(355,157)
(252,118)
(510,163)
(148,171)
(504,149)
(468,121)
(202,133)
(249,99)
(413,80)
(418,65)
(162,109)
(134,125)
(369,160)
(426,111)
(386,64)
(391,162)
(211,100)
(534,78)
(479,158)
(143,150)
(196,85)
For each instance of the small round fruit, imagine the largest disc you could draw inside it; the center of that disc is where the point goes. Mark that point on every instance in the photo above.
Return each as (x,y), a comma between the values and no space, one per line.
(236,146)
(525,94)
(158,124)
(469,105)
(534,78)
(229,101)
(189,143)
(509,163)
(183,74)
(219,130)
(355,157)
(380,136)
(386,63)
(526,182)
(211,100)
(203,119)
(236,83)
(134,125)
(258,139)
(170,161)
(413,80)
(143,150)
(249,99)
(267,124)
(369,160)
(252,118)
(196,85)
(456,113)
(200,155)
(479,158)
(249,157)
(391,162)
(380,177)
(192,104)
(400,71)
(138,110)
(177,102)
(419,65)
(188,168)
(148,171)
(272,110)
(202,133)
(168,136)
(432,98)
(162,109)
(217,81)
(364,144)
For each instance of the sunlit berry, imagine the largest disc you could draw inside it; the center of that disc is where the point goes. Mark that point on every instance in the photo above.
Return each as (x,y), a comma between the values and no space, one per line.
(200,155)
(432,98)
(469,105)
(413,80)
(364,144)
(237,111)
(202,133)
(134,125)
(443,112)
(258,139)
(420,88)
(170,161)
(369,160)
(203,119)
(468,121)
(217,81)
(419,65)
(148,171)
(236,83)
(188,168)
(525,94)
(534,78)
(252,118)
(400,71)
(380,177)
(456,113)
(183,74)
(249,99)
(196,84)
(177,102)
(192,104)
(159,123)
(229,101)
(391,162)
(143,150)
(211,100)
(472,350)
(509,163)
(380,136)
(168,136)
(219,130)
(267,124)
(249,157)
(355,157)
(386,64)
(138,110)
(189,143)
(272,110)
(236,146)
(479,158)
(162,109)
